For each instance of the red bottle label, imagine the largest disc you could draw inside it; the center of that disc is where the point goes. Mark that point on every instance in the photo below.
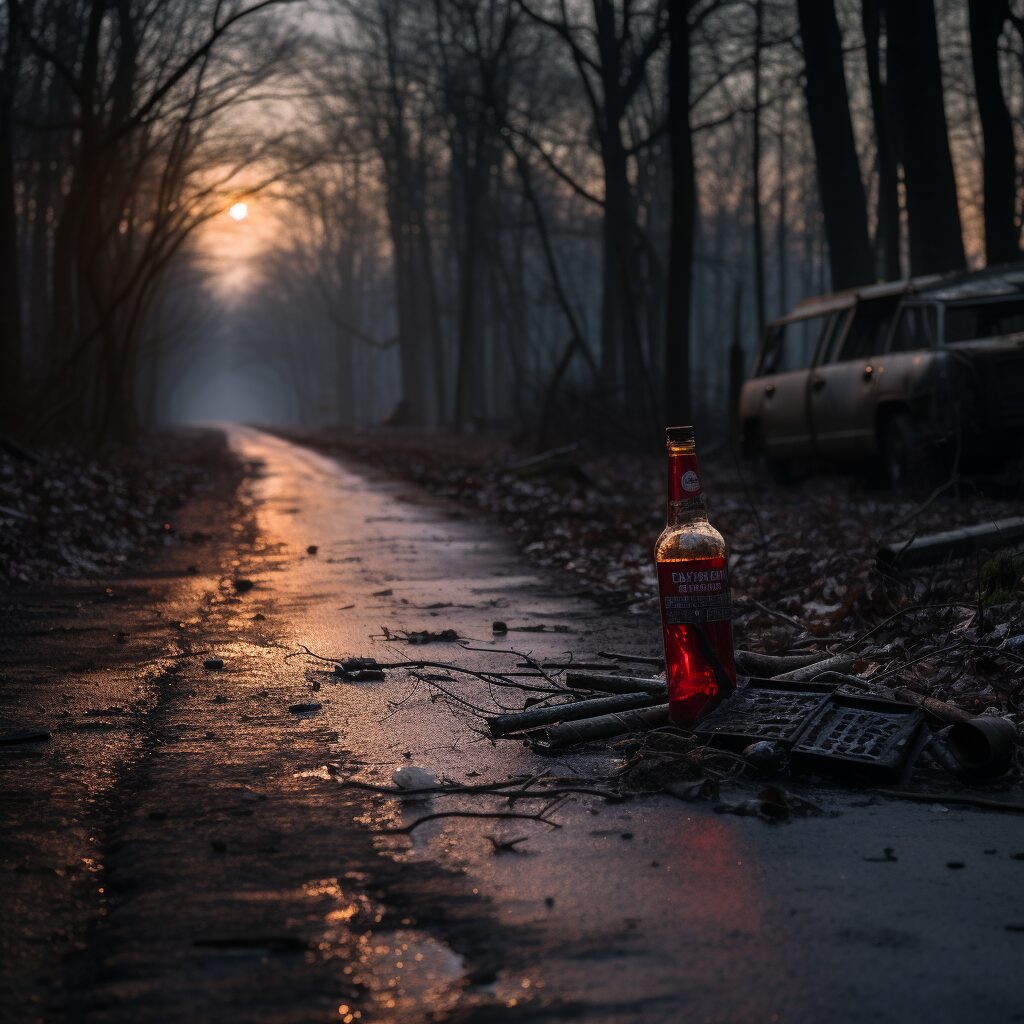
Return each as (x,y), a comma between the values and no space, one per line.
(696,616)
(684,482)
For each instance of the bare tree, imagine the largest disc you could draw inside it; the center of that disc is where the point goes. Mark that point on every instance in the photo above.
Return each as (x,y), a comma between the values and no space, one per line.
(915,79)
(987,20)
(843,202)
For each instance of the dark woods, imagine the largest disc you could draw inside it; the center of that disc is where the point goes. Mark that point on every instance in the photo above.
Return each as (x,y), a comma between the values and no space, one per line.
(549,215)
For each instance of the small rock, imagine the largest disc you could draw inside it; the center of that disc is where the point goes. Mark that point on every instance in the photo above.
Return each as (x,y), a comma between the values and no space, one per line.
(499,627)
(312,549)
(549,901)
(258,617)
(219,846)
(214,664)
(955,865)
(242,585)
(411,776)
(765,755)
(306,708)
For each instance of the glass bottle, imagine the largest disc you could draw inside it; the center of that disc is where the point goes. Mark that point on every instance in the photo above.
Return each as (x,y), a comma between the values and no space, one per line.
(693,581)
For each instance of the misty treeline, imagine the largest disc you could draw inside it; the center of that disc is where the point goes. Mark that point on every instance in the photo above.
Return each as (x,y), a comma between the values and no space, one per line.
(551,215)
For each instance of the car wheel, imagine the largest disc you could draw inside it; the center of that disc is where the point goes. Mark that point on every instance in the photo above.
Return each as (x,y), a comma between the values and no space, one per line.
(907,458)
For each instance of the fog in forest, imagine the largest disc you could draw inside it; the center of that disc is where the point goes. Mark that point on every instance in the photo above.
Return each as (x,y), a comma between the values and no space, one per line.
(553,218)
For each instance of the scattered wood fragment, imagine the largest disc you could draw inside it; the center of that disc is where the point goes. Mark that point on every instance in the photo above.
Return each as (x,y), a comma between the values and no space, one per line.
(837,663)
(521,721)
(405,830)
(569,734)
(933,706)
(506,845)
(612,683)
(768,666)
(940,547)
(637,658)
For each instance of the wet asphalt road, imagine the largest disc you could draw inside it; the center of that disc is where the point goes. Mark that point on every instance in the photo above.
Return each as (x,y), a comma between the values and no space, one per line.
(652,911)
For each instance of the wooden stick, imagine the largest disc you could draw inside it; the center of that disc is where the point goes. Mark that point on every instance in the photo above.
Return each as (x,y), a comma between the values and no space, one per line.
(610,683)
(520,721)
(568,734)
(639,659)
(765,666)
(838,663)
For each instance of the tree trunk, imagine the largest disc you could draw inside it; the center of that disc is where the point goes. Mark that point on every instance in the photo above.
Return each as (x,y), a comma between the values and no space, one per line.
(10,294)
(781,227)
(755,167)
(887,232)
(843,204)
(614,241)
(987,18)
(915,78)
(677,383)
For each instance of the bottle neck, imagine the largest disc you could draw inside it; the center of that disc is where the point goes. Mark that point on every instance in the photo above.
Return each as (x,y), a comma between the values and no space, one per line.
(685,488)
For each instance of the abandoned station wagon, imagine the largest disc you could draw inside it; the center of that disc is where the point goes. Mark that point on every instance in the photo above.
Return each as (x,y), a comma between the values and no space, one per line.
(911,372)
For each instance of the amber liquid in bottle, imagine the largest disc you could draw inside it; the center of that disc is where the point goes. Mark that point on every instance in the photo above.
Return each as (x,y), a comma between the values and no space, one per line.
(693,580)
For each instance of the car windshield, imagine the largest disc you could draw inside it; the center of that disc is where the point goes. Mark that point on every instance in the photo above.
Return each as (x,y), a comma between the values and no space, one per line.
(970,320)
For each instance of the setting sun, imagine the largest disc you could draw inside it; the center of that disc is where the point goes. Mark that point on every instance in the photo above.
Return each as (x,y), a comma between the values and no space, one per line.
(239,211)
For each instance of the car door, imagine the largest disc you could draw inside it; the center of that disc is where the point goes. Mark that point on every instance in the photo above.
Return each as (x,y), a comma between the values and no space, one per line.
(914,335)
(783,374)
(843,389)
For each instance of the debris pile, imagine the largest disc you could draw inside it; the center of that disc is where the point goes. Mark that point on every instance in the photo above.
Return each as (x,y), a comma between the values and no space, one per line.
(824,723)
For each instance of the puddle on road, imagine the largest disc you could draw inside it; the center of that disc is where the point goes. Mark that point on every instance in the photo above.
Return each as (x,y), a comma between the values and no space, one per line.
(409,975)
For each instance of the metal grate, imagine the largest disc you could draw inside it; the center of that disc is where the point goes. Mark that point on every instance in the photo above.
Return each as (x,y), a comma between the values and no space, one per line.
(874,736)
(764,710)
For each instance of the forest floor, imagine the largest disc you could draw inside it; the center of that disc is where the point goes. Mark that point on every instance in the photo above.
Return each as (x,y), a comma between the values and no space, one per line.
(193,840)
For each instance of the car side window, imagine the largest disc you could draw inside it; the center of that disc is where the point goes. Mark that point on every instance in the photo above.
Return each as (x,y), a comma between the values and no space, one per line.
(791,346)
(916,328)
(866,336)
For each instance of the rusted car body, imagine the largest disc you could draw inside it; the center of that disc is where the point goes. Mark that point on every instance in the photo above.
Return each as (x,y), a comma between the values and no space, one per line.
(912,373)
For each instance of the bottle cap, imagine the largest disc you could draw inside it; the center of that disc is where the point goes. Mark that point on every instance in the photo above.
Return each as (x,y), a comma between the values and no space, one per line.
(679,435)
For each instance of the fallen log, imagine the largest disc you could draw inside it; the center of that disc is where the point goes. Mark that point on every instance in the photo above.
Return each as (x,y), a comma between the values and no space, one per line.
(837,663)
(939,547)
(767,666)
(612,683)
(569,734)
(521,721)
